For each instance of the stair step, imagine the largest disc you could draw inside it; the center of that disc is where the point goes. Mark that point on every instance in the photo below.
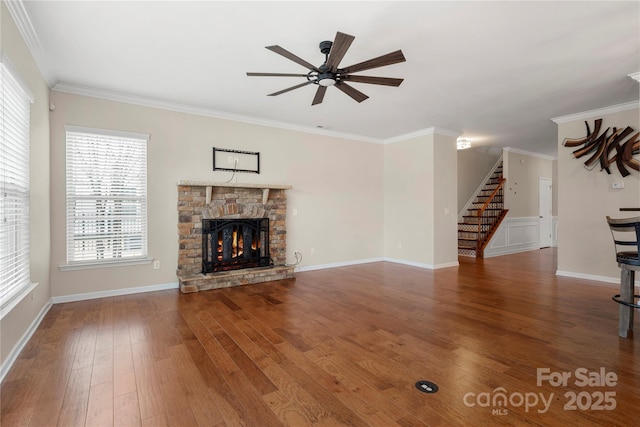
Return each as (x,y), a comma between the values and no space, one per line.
(476,207)
(498,199)
(470,244)
(467,252)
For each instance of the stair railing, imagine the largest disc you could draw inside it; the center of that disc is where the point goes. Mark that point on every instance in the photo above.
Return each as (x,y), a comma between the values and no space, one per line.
(485,221)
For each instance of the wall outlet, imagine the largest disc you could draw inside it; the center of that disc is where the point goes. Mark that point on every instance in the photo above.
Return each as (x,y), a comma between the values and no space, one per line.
(312,251)
(617,185)
(156,264)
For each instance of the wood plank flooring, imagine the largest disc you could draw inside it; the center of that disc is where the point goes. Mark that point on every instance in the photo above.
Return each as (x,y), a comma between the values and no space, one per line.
(335,347)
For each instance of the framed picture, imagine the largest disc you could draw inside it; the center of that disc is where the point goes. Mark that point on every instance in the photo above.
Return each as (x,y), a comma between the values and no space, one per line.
(236,160)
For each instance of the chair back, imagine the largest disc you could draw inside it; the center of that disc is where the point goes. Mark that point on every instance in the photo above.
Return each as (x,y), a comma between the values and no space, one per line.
(626,239)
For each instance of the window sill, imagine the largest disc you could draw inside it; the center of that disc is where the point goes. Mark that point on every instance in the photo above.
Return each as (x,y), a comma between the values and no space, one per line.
(105,264)
(13,302)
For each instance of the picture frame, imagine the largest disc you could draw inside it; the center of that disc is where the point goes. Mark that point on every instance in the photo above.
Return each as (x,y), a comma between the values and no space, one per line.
(229,160)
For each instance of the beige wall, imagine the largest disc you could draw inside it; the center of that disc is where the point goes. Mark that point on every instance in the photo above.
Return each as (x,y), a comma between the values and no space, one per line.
(585,198)
(473,166)
(419,184)
(15,324)
(523,172)
(337,186)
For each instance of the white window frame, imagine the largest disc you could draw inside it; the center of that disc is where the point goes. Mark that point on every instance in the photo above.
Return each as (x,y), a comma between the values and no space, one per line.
(106,221)
(15,118)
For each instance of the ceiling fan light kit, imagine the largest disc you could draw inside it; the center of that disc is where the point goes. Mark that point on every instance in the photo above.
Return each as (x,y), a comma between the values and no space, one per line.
(329,73)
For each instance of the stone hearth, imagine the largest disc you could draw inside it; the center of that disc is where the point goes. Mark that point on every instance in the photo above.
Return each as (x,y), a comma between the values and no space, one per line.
(201,199)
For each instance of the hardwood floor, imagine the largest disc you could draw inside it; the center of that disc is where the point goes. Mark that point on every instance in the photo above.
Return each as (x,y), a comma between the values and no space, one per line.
(342,346)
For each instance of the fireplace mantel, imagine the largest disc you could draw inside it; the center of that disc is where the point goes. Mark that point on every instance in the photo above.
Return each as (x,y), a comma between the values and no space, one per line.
(208,184)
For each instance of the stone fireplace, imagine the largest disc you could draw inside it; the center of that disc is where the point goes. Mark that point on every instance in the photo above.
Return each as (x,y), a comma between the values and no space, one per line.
(231,251)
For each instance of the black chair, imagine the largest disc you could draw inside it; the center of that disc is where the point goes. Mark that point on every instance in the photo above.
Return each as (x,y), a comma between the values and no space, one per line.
(626,239)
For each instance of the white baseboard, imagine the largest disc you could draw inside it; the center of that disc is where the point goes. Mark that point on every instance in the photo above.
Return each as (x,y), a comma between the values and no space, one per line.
(15,352)
(423,265)
(366,261)
(115,292)
(338,264)
(614,282)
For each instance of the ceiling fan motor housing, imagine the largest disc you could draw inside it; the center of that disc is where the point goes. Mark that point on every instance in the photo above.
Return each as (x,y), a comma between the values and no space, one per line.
(325,47)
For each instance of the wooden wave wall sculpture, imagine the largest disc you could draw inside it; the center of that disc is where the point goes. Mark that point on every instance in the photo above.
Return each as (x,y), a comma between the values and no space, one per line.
(607,149)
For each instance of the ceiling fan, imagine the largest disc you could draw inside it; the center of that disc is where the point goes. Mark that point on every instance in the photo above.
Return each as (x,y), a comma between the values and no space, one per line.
(330,74)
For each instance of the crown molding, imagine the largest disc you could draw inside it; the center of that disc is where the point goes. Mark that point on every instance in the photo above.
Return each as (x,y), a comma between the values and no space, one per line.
(635,76)
(423,132)
(200,111)
(31,39)
(598,112)
(528,153)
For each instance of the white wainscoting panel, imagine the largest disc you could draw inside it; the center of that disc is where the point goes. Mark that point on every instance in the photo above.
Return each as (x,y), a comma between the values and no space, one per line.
(514,235)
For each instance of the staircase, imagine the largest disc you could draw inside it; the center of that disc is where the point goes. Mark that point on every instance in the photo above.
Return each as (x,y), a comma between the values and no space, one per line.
(483,216)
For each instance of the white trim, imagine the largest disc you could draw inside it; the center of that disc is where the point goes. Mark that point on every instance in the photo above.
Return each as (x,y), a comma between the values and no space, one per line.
(105,264)
(422,265)
(31,39)
(528,153)
(200,111)
(635,76)
(514,235)
(13,71)
(337,264)
(15,352)
(107,132)
(114,293)
(423,132)
(604,279)
(370,260)
(600,111)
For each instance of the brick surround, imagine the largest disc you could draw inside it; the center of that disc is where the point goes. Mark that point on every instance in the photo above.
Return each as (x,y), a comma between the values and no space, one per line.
(198,200)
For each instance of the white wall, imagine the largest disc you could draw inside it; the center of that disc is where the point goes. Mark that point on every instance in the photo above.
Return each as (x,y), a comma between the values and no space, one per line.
(520,230)
(585,198)
(17,325)
(523,172)
(337,186)
(420,201)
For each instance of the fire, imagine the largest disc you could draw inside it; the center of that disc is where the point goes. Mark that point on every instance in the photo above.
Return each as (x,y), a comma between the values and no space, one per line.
(237,245)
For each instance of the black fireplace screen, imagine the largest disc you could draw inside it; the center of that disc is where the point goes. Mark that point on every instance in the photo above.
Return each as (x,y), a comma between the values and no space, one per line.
(231,244)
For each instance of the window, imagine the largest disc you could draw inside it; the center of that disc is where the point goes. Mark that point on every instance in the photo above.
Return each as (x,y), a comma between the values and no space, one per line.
(106,196)
(14,185)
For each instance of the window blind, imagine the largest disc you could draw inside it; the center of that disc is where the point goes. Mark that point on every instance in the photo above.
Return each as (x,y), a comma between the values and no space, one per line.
(106,195)
(14,186)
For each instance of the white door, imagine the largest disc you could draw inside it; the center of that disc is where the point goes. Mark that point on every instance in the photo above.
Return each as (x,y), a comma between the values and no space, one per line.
(545,212)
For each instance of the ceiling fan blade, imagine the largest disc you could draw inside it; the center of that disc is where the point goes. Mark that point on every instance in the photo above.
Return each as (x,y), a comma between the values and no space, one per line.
(289,88)
(386,81)
(280,51)
(338,50)
(352,92)
(381,61)
(319,95)
(276,75)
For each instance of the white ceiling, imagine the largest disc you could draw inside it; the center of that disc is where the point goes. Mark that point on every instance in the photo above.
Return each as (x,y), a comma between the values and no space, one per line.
(496,72)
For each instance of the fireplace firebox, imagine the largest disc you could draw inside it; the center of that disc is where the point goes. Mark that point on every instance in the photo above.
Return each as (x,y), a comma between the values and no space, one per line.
(233,244)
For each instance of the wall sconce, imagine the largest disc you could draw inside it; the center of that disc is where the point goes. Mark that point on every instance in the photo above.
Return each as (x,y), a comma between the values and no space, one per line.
(463,143)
